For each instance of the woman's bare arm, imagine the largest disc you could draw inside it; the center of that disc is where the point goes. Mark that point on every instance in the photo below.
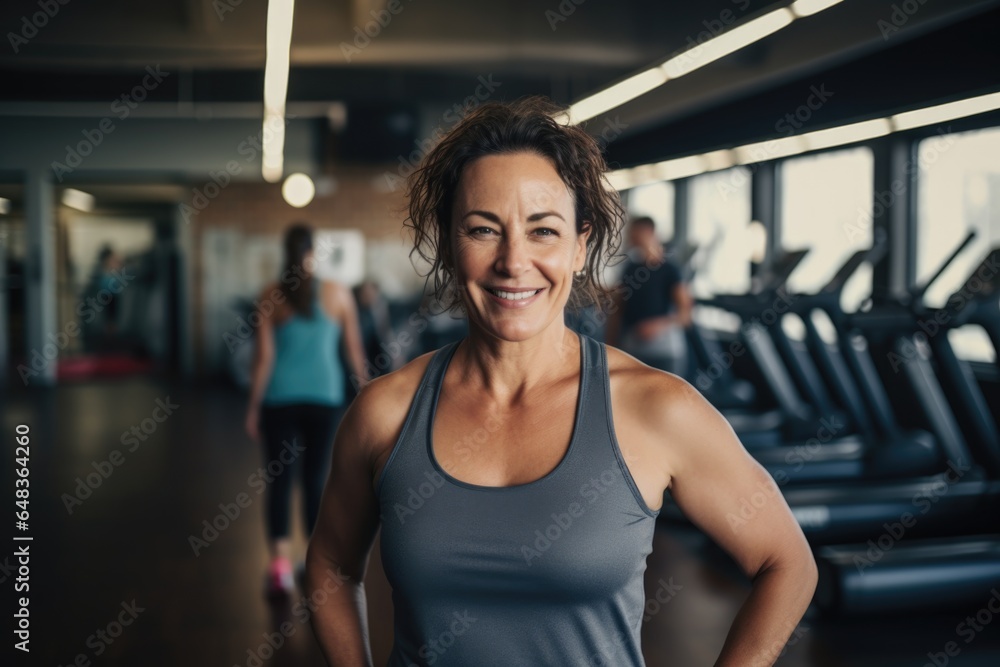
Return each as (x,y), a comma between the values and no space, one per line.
(345,530)
(729,496)
(263,363)
(348,520)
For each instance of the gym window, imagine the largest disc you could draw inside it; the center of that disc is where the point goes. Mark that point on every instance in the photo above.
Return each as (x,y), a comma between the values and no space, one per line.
(958,189)
(656,201)
(826,206)
(719,225)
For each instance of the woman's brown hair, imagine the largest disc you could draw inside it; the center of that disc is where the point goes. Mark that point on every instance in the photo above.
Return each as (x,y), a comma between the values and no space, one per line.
(298,243)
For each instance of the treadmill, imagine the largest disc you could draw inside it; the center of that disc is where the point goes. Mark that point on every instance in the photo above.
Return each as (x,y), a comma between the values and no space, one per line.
(857,509)
(971,304)
(793,421)
(887,450)
(823,455)
(722,387)
(893,571)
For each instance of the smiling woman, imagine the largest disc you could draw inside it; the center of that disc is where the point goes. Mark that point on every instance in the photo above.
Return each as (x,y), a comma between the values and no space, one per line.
(531,547)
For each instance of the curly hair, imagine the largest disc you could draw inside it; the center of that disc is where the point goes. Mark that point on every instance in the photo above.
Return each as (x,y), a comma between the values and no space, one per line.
(496,128)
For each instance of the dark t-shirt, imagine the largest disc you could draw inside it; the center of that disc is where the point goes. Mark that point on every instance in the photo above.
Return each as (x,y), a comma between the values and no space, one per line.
(648,291)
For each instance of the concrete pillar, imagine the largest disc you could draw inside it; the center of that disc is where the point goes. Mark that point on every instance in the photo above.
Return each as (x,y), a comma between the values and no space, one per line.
(41,338)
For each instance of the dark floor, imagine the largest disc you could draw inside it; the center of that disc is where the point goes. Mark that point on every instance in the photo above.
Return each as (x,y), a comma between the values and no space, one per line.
(128,544)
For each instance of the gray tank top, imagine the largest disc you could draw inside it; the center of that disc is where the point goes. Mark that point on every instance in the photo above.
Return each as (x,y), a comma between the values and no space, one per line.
(544,573)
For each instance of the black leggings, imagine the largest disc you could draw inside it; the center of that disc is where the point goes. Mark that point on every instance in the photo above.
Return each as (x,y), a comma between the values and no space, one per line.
(296,437)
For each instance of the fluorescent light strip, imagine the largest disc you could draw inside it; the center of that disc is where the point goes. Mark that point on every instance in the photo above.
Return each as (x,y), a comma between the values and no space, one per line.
(694,58)
(273,147)
(620,180)
(81,201)
(769,150)
(847,134)
(728,43)
(669,170)
(773,149)
(945,112)
(280,14)
(718,160)
(609,98)
(803,8)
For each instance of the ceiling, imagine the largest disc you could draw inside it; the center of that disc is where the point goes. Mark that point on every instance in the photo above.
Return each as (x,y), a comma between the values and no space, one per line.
(422,49)
(430,55)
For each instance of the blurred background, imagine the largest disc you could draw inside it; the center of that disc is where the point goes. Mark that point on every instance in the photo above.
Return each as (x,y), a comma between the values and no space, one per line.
(845,153)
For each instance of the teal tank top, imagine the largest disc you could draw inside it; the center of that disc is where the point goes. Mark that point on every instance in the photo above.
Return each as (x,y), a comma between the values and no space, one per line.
(544,573)
(307,366)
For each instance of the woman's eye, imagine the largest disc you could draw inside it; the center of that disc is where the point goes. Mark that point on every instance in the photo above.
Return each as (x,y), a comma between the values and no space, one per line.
(480,231)
(545,231)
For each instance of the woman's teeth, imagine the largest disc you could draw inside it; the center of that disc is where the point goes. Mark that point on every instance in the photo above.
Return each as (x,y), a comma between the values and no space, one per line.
(514,296)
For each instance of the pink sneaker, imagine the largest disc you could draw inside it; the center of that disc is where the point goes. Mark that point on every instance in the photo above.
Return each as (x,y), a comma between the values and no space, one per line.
(280,577)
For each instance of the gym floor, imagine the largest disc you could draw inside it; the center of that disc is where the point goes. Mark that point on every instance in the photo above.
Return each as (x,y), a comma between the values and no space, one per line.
(124,554)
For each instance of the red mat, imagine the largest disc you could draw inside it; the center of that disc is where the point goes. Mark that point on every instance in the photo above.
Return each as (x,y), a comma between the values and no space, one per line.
(81,368)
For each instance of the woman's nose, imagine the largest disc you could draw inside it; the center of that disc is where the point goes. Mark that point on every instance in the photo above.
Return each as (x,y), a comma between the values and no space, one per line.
(514,255)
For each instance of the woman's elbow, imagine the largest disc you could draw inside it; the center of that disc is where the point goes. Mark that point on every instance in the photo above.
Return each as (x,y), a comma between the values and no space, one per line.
(810,573)
(803,564)
(798,565)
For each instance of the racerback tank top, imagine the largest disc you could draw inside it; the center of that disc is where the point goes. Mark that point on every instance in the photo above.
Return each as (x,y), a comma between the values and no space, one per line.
(544,573)
(307,366)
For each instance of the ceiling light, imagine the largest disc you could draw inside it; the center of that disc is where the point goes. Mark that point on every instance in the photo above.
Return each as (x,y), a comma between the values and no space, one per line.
(772,149)
(942,113)
(78,199)
(727,43)
(272,147)
(279,40)
(280,15)
(683,167)
(298,190)
(847,134)
(697,56)
(616,95)
(719,160)
(802,8)
(620,179)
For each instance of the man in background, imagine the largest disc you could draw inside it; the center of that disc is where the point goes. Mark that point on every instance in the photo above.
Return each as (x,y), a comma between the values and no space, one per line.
(652,305)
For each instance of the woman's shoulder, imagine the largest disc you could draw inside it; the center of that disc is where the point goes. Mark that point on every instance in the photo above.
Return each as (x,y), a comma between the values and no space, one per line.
(397,383)
(666,421)
(654,396)
(381,407)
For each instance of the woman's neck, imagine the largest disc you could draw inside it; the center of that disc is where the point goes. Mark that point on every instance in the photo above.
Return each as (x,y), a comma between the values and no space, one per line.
(509,369)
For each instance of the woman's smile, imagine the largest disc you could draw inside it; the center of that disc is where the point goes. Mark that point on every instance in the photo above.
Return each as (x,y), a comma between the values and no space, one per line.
(513,298)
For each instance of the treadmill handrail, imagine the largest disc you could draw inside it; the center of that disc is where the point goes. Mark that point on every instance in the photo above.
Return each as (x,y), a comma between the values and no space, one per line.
(917,291)
(786,264)
(872,255)
(985,267)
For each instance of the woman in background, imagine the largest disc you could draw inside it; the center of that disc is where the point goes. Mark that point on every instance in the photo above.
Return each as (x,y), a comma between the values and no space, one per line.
(298,388)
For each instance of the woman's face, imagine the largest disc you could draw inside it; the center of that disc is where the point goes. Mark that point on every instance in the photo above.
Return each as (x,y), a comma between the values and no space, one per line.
(515,244)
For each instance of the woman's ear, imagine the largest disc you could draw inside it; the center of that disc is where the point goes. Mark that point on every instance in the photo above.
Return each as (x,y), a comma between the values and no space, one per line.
(581,244)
